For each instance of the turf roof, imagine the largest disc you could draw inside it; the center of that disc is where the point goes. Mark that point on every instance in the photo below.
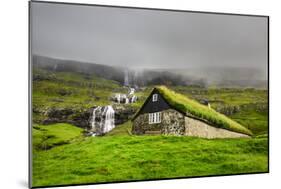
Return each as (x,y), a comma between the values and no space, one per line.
(193,108)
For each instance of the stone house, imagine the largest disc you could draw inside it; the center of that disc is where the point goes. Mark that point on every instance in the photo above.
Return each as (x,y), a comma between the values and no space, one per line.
(166,112)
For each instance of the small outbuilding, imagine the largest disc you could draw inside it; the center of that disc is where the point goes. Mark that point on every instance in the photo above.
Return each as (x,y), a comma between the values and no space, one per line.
(169,113)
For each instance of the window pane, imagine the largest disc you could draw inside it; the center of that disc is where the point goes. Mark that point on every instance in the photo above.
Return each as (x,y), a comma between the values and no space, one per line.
(154,97)
(157,120)
(154,117)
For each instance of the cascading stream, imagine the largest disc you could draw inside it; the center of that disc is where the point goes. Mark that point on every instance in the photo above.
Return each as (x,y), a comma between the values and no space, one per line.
(125,98)
(102,120)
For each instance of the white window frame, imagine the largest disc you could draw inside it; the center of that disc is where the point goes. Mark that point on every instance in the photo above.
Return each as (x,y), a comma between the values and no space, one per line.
(154,118)
(154,97)
(150,118)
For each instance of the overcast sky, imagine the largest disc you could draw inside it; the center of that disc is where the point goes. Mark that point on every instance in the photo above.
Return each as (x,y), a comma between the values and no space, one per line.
(148,38)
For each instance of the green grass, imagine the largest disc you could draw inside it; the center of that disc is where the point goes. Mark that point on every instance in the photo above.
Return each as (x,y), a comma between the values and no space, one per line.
(255,121)
(125,158)
(185,104)
(121,130)
(46,137)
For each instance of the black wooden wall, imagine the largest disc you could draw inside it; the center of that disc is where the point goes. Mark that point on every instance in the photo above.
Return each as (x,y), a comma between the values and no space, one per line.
(159,105)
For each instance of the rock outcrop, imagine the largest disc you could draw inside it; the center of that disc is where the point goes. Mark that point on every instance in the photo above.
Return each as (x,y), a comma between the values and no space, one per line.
(123,113)
(80,117)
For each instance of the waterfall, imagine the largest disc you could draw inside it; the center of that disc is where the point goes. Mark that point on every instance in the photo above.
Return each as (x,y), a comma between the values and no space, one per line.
(133,99)
(126,78)
(131,91)
(55,67)
(125,98)
(94,116)
(118,97)
(102,120)
(109,119)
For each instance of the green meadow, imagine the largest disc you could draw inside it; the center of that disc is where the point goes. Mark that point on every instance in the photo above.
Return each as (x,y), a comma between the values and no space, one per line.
(63,155)
(119,156)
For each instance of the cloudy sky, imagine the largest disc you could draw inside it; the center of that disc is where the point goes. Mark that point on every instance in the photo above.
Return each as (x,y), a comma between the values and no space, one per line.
(148,38)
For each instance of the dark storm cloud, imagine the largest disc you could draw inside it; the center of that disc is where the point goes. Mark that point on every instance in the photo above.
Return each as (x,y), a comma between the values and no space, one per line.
(147,38)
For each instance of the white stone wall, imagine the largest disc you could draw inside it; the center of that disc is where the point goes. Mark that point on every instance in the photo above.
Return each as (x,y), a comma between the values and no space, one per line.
(198,128)
(172,122)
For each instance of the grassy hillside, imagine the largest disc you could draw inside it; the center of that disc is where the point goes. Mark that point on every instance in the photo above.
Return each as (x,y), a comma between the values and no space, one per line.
(61,89)
(69,90)
(119,158)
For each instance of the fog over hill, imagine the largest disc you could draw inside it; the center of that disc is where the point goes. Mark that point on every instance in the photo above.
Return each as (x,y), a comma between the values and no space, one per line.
(221,77)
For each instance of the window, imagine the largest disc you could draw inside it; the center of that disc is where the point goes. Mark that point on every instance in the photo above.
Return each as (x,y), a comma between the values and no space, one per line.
(154,97)
(154,117)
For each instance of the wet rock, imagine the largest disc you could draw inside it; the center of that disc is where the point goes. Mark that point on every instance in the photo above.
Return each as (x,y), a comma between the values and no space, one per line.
(78,117)
(123,113)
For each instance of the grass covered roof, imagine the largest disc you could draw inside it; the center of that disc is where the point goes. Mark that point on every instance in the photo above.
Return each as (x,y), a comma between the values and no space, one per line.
(193,108)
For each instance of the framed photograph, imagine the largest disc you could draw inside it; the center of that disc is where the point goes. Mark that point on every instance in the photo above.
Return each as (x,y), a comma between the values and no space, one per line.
(123,94)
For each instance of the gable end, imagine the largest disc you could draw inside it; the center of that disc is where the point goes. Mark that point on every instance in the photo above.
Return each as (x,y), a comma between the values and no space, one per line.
(151,106)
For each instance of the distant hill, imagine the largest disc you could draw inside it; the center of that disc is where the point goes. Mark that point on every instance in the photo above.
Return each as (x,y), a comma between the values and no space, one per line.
(61,65)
